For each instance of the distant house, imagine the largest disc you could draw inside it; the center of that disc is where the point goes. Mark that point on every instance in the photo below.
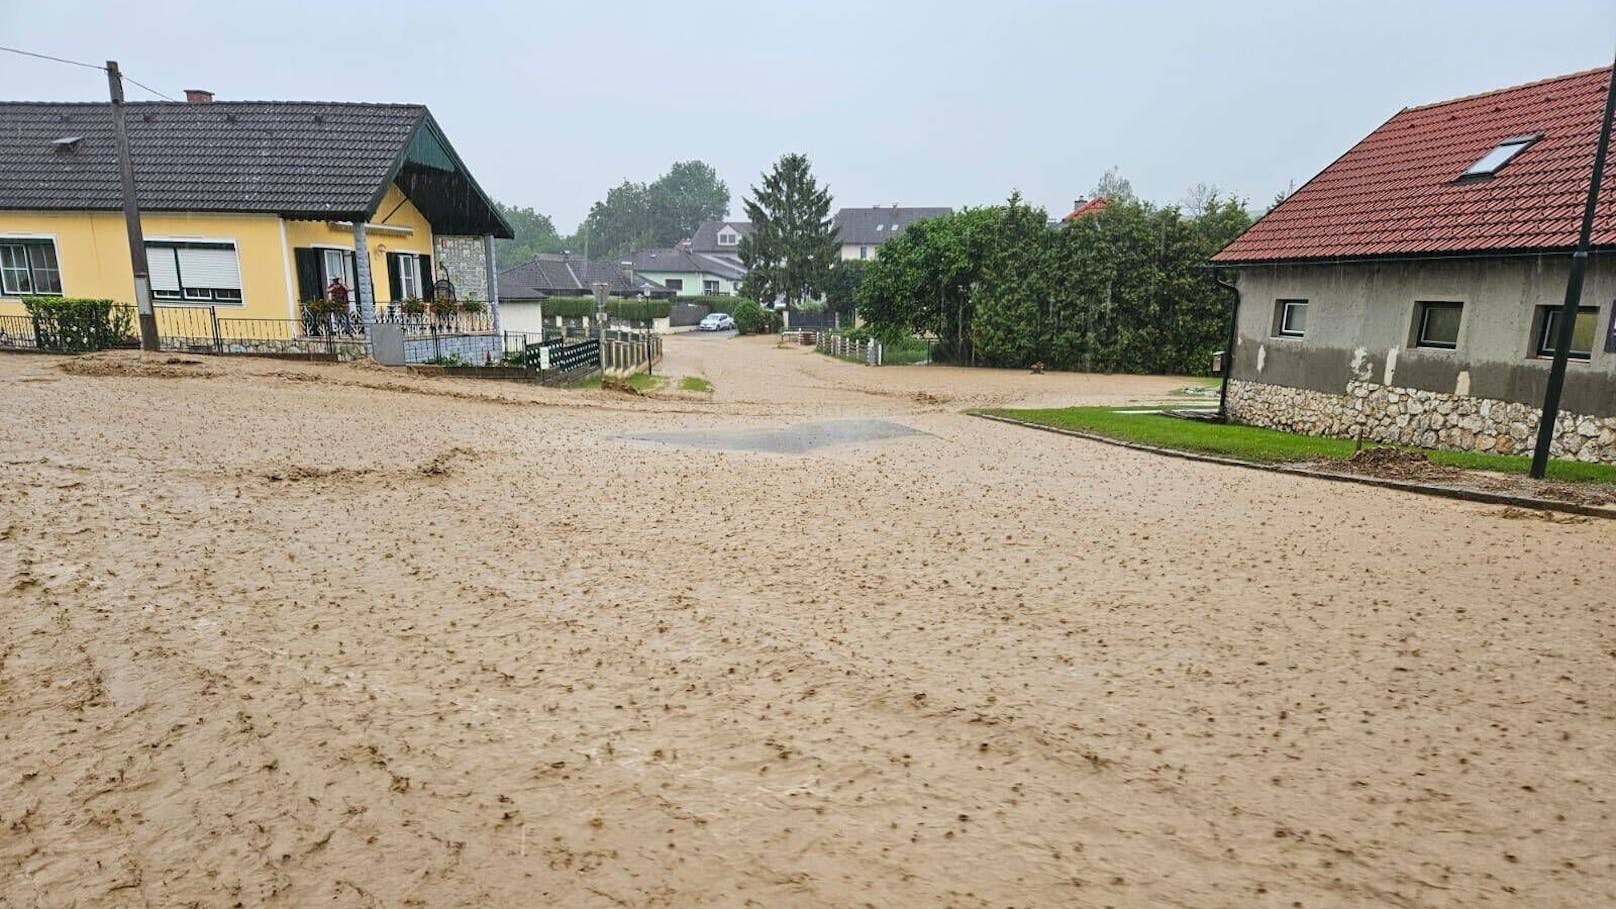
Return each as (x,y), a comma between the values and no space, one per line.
(566,275)
(721,240)
(524,288)
(861,231)
(1082,208)
(686,273)
(248,208)
(1410,292)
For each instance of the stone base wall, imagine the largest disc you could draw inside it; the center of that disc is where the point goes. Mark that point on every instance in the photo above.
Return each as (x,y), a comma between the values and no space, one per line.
(462,259)
(473,350)
(1411,416)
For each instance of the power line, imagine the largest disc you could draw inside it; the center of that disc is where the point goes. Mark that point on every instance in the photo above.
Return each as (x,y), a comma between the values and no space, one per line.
(24,53)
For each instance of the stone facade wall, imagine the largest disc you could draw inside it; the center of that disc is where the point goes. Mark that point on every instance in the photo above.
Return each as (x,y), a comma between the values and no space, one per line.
(462,260)
(1410,416)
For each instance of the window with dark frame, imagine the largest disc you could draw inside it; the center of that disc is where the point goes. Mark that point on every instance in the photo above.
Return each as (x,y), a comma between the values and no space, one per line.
(1583,333)
(28,267)
(1290,319)
(1494,161)
(674,283)
(203,273)
(1438,325)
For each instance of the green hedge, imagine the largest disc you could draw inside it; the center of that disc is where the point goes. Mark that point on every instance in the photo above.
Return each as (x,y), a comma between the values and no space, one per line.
(715,303)
(75,325)
(584,307)
(752,319)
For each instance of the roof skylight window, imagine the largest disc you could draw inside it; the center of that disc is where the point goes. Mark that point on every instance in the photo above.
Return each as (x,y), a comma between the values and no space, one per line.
(1494,161)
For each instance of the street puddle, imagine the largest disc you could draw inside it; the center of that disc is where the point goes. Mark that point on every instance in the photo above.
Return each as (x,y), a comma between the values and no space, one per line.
(796,440)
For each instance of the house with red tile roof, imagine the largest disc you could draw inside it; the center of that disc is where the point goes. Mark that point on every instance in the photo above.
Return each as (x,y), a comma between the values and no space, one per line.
(1082,208)
(1409,292)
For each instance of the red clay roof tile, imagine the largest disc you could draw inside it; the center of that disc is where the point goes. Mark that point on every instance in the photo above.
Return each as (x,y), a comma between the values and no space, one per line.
(1398,192)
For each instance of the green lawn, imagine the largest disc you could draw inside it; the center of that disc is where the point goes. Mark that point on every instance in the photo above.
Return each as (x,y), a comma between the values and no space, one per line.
(638,381)
(1249,443)
(695,383)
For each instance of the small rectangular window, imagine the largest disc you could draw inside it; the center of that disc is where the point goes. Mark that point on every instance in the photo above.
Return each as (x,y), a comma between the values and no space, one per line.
(1438,324)
(1582,333)
(194,272)
(674,283)
(709,287)
(1501,155)
(1290,318)
(29,268)
(864,252)
(409,276)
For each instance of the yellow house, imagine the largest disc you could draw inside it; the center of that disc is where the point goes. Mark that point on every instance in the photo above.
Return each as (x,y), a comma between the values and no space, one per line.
(249,209)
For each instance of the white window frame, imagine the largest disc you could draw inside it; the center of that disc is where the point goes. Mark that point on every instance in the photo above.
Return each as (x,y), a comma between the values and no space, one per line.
(1285,308)
(1422,318)
(728,238)
(23,242)
(409,273)
(709,287)
(864,252)
(232,297)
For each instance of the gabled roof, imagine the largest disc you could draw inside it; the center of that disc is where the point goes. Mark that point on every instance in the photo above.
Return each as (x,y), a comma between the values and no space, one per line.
(1400,192)
(561,275)
(859,225)
(706,238)
(1084,209)
(682,260)
(302,160)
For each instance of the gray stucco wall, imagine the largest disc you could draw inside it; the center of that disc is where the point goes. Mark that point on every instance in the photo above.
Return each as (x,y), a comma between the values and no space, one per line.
(1360,327)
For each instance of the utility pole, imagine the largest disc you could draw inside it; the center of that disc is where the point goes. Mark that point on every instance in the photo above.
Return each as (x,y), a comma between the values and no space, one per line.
(1573,297)
(131,214)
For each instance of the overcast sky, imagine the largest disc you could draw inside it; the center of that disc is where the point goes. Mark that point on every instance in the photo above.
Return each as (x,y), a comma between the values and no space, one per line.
(919,102)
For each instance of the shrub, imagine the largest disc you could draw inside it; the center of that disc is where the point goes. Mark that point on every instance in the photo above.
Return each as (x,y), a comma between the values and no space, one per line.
(69,324)
(628,310)
(752,319)
(444,307)
(473,305)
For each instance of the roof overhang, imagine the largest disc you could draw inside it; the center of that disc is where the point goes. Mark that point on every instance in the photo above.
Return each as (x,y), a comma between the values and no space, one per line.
(430,173)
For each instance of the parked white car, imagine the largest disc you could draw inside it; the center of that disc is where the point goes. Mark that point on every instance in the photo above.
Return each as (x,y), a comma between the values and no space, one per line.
(716,321)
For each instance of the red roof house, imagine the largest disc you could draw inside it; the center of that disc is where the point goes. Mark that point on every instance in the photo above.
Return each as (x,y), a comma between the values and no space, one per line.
(1404,190)
(1411,292)
(1082,209)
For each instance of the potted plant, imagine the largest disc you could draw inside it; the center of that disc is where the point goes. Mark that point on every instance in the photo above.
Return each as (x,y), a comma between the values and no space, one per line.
(413,307)
(472,305)
(443,308)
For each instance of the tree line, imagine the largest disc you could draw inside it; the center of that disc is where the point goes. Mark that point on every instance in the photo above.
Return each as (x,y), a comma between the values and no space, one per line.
(1120,290)
(633,215)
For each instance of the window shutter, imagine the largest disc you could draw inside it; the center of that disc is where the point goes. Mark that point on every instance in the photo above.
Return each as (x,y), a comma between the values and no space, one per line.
(395,284)
(162,269)
(309,286)
(209,267)
(427,291)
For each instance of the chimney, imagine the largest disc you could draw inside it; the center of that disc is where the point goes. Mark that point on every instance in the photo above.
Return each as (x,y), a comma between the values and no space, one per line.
(198,96)
(1078,204)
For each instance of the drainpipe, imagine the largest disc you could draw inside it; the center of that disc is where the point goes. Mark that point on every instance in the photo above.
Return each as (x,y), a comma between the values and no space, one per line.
(1228,352)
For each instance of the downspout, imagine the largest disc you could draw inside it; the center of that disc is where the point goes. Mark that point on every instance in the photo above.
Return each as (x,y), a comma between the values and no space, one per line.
(1228,351)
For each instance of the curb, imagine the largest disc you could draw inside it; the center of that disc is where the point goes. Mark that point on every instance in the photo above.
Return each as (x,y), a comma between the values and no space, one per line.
(1445,492)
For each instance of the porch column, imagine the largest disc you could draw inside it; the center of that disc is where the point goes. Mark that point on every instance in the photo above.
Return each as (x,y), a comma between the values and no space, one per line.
(493,280)
(367,293)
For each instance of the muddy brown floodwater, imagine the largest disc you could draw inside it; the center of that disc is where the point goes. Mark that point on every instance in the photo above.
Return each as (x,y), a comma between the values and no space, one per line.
(296,635)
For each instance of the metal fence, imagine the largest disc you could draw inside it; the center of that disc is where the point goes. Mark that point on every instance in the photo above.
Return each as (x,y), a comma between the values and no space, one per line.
(858,350)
